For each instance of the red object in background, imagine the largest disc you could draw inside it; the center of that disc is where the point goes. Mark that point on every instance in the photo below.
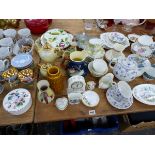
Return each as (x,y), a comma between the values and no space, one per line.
(38,26)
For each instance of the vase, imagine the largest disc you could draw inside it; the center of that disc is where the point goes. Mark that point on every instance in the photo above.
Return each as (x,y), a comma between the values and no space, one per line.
(55,79)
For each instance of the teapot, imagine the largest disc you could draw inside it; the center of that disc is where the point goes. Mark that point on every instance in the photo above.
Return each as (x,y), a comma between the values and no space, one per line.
(4,64)
(124,69)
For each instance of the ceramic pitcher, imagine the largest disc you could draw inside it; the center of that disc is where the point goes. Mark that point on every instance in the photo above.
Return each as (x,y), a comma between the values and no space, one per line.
(4,64)
(77,64)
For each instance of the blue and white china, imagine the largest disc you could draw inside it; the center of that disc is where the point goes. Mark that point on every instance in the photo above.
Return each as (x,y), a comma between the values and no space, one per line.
(143,63)
(145,93)
(143,51)
(133,37)
(21,60)
(77,64)
(120,95)
(4,52)
(4,64)
(125,69)
(149,74)
(24,45)
(10,33)
(109,39)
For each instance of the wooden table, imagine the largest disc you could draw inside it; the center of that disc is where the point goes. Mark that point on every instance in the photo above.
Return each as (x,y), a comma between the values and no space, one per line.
(45,113)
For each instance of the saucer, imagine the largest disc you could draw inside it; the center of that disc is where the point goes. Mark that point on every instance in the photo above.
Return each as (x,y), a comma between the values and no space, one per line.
(123,104)
(111,54)
(90,98)
(21,60)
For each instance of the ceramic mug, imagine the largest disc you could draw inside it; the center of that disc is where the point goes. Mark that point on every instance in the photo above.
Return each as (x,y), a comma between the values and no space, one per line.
(77,64)
(4,52)
(4,64)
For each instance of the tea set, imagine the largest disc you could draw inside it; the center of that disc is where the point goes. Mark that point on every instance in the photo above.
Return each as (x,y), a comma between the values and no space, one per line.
(82,55)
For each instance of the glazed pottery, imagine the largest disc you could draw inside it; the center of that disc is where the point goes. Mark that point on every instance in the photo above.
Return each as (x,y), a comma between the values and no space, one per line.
(74,98)
(24,33)
(57,38)
(143,63)
(61,103)
(145,40)
(24,45)
(76,84)
(45,93)
(48,54)
(6,42)
(113,54)
(124,69)
(10,33)
(145,93)
(55,79)
(120,95)
(91,85)
(90,98)
(106,81)
(4,64)
(17,101)
(133,37)
(149,74)
(21,61)
(44,68)
(77,64)
(5,52)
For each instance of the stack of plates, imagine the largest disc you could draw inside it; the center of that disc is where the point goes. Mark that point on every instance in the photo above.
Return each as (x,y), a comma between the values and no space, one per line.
(22,61)
(17,101)
(57,38)
(109,39)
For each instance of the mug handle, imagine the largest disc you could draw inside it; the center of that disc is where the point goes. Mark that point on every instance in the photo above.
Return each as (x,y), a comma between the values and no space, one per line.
(110,63)
(113,83)
(6,63)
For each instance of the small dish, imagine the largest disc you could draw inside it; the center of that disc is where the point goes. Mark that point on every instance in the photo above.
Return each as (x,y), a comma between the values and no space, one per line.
(133,37)
(61,103)
(21,60)
(90,98)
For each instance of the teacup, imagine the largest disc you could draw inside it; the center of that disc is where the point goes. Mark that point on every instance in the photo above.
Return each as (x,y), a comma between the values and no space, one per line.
(91,85)
(77,64)
(10,33)
(4,64)
(4,52)
(149,74)
(7,42)
(121,91)
(24,33)
(106,81)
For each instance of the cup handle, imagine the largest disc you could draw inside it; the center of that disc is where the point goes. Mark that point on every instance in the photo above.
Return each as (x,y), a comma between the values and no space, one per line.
(111,62)
(6,63)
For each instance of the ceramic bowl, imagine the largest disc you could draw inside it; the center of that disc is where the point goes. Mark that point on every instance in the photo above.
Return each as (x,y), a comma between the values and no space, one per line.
(24,45)
(93,72)
(99,65)
(150,73)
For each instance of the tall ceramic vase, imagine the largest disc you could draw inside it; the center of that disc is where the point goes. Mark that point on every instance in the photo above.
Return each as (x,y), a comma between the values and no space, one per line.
(55,78)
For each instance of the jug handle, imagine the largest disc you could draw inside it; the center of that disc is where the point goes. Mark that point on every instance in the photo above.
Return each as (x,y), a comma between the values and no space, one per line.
(111,62)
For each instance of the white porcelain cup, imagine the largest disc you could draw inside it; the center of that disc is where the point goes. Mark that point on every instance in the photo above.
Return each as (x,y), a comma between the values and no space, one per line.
(24,33)
(4,52)
(4,64)
(10,33)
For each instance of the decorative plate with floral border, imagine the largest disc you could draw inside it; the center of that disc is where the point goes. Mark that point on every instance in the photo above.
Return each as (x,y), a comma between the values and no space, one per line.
(145,93)
(57,38)
(18,101)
